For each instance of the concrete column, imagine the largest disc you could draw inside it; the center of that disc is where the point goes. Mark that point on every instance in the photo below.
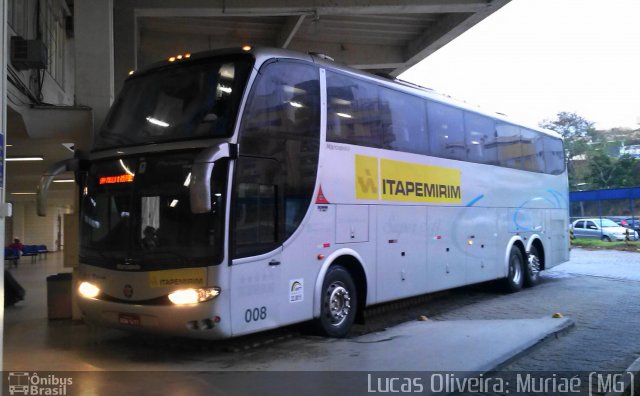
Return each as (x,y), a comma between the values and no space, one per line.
(93,22)
(126,38)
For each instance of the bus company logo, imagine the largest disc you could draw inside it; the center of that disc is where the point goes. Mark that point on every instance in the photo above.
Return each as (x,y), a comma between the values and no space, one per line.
(405,181)
(127,290)
(366,177)
(31,384)
(179,277)
(296,290)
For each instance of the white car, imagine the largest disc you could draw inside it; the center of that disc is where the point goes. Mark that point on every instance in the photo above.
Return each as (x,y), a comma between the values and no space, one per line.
(604,229)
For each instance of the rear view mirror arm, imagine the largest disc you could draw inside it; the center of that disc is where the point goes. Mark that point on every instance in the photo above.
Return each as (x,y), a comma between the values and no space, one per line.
(200,187)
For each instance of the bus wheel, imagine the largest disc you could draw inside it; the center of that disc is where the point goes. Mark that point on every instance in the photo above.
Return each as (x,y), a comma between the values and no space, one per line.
(339,302)
(515,279)
(532,273)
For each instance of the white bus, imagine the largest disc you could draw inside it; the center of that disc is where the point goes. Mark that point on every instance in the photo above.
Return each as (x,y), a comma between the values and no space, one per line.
(235,191)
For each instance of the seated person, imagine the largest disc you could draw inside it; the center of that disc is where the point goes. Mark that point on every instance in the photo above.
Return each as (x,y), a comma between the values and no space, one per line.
(17,246)
(150,239)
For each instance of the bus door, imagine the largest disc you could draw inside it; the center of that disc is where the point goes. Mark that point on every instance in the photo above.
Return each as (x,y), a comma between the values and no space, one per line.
(275,178)
(256,271)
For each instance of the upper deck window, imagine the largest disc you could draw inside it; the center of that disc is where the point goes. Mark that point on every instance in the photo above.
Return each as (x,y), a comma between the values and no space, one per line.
(480,132)
(446,131)
(363,113)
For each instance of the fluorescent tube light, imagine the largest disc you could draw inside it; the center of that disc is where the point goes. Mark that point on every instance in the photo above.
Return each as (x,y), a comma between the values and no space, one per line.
(25,158)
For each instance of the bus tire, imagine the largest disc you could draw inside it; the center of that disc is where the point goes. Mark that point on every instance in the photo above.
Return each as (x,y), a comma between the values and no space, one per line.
(515,277)
(338,303)
(532,272)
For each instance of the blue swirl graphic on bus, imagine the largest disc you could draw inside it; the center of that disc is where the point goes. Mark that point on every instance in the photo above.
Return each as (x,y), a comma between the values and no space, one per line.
(475,200)
(522,219)
(560,198)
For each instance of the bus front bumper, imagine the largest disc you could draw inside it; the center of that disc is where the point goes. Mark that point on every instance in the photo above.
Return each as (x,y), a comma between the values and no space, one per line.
(200,320)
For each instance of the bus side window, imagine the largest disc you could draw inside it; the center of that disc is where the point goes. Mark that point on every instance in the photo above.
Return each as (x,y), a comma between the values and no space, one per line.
(481,139)
(403,122)
(256,215)
(509,145)
(553,155)
(446,131)
(532,150)
(282,123)
(352,111)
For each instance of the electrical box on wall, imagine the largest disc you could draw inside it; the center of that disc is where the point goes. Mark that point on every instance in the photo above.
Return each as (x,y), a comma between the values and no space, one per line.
(6,209)
(28,54)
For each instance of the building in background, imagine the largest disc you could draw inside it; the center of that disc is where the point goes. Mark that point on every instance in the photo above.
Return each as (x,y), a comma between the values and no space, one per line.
(43,121)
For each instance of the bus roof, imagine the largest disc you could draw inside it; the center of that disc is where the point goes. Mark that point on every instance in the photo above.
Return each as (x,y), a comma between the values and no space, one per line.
(263,54)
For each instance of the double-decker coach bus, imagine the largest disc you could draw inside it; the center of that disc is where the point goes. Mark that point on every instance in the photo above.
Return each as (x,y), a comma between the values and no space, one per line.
(236,191)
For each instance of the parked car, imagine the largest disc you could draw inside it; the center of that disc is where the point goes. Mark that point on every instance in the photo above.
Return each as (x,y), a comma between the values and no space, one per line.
(633,222)
(626,221)
(621,222)
(604,229)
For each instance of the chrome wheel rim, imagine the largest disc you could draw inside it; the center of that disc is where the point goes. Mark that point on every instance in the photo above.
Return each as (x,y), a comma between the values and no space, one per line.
(534,266)
(339,303)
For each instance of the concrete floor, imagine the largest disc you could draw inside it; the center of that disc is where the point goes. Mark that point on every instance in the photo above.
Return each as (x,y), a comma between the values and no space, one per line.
(104,361)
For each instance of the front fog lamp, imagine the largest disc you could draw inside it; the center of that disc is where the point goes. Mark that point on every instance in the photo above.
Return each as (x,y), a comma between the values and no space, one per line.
(193,296)
(88,290)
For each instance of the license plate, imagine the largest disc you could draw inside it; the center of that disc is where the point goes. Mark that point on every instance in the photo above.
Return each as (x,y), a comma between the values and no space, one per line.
(129,320)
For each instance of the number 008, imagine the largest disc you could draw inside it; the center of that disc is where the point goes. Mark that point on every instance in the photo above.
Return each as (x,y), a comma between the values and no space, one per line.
(255,314)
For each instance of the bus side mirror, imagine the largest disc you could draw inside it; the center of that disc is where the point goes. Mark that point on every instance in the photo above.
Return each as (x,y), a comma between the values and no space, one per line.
(200,185)
(71,164)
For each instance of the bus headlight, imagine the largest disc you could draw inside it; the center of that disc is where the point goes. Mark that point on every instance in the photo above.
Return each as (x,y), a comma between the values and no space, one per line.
(193,296)
(88,290)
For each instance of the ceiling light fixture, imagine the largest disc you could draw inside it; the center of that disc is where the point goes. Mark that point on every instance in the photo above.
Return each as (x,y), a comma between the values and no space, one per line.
(25,158)
(64,181)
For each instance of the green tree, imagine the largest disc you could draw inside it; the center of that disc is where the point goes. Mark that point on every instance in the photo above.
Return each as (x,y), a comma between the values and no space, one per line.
(608,172)
(571,126)
(578,134)
(626,172)
(601,170)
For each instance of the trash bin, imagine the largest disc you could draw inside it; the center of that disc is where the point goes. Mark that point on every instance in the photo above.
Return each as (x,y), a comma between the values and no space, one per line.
(59,296)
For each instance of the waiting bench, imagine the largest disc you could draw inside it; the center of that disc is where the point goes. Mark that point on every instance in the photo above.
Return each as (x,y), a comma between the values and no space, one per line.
(30,251)
(42,250)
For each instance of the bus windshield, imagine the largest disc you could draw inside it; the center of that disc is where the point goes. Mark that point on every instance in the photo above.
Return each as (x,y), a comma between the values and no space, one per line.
(177,102)
(137,211)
